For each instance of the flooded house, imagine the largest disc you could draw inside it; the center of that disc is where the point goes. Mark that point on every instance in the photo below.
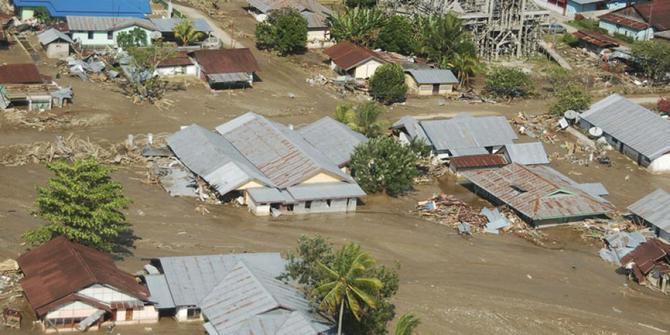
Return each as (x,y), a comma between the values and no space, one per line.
(226,68)
(531,153)
(72,287)
(233,294)
(640,134)
(653,211)
(22,85)
(649,265)
(269,167)
(594,41)
(539,194)
(353,60)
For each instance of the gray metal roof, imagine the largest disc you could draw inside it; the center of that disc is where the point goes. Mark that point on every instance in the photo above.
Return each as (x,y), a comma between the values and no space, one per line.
(167,25)
(212,157)
(654,208)
(278,152)
(527,153)
(320,191)
(159,291)
(106,23)
(50,35)
(234,77)
(465,131)
(413,128)
(191,278)
(333,139)
(432,76)
(270,195)
(594,189)
(251,301)
(637,127)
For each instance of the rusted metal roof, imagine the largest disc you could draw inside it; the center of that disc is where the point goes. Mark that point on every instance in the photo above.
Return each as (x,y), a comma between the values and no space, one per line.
(598,39)
(348,55)
(624,21)
(60,268)
(226,60)
(477,161)
(537,192)
(180,58)
(645,257)
(640,16)
(20,74)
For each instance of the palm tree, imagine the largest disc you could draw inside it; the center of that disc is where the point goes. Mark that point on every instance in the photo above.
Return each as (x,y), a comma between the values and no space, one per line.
(406,324)
(348,285)
(357,25)
(185,33)
(467,65)
(367,116)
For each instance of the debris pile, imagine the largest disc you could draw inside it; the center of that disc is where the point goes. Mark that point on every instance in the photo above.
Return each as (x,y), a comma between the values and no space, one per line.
(541,126)
(10,290)
(447,210)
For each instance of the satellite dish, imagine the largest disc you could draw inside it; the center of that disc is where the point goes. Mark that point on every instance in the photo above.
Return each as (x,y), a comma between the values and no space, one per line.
(595,132)
(571,115)
(155,35)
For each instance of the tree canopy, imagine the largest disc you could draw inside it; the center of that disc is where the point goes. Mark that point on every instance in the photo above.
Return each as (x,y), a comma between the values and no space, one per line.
(134,38)
(284,31)
(186,34)
(357,25)
(387,85)
(397,35)
(510,83)
(363,118)
(570,97)
(654,58)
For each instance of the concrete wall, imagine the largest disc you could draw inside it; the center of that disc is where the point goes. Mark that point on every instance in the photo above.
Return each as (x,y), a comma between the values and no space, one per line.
(101,38)
(640,35)
(366,70)
(105,294)
(257,208)
(189,70)
(182,315)
(58,50)
(318,38)
(148,314)
(574,7)
(26,13)
(325,206)
(660,164)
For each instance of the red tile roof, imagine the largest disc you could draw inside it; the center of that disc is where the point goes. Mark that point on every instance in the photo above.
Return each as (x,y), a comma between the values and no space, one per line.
(348,55)
(477,161)
(59,268)
(20,74)
(597,39)
(226,60)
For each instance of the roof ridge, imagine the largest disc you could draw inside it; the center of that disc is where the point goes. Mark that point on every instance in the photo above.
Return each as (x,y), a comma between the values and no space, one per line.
(75,251)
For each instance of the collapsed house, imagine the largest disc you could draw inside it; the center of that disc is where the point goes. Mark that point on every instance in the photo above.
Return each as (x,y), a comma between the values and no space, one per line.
(594,41)
(223,68)
(539,194)
(631,129)
(649,264)
(233,294)
(23,85)
(73,287)
(653,210)
(272,168)
(353,60)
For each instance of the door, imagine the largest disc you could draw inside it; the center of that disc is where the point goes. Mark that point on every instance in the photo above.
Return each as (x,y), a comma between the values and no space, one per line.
(129,314)
(436,89)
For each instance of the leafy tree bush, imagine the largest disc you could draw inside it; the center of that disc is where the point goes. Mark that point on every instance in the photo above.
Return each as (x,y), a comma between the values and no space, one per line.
(510,83)
(357,25)
(387,85)
(570,97)
(284,31)
(442,37)
(132,39)
(397,35)
(84,204)
(384,165)
(406,324)
(142,82)
(363,118)
(654,58)
(360,3)
(570,40)
(186,34)
(42,15)
(304,265)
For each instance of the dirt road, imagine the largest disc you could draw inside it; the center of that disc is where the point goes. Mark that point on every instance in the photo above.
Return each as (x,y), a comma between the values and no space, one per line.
(227,40)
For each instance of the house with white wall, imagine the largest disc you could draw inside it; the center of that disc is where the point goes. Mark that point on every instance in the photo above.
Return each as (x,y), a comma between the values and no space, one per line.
(356,61)
(99,31)
(72,287)
(179,64)
(639,21)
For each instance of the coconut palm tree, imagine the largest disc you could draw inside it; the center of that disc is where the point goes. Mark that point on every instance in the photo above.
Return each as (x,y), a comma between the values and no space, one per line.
(406,324)
(466,65)
(348,285)
(357,25)
(185,33)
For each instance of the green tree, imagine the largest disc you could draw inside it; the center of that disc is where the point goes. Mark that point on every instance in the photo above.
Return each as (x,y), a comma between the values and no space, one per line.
(358,25)
(406,324)
(42,15)
(143,83)
(654,59)
(360,3)
(510,83)
(466,65)
(570,97)
(397,35)
(284,31)
(363,118)
(442,37)
(186,34)
(134,38)
(387,84)
(384,165)
(84,204)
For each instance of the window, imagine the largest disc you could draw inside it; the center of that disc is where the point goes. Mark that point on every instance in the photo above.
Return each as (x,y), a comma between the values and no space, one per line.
(328,202)
(110,35)
(308,204)
(90,35)
(193,313)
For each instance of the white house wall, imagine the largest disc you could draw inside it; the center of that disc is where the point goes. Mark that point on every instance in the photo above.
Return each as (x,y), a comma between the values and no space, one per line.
(105,294)
(100,38)
(182,315)
(367,69)
(58,50)
(75,309)
(660,165)
(189,70)
(148,314)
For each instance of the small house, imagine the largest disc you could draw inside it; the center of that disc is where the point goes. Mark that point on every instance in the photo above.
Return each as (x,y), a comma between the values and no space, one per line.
(179,64)
(638,133)
(101,31)
(638,21)
(225,68)
(72,287)
(653,210)
(594,41)
(23,85)
(428,81)
(356,61)
(25,9)
(56,43)
(649,264)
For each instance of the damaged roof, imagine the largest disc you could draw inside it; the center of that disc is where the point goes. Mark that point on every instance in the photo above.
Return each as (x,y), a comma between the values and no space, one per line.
(635,126)
(654,208)
(527,153)
(334,139)
(477,161)
(58,269)
(20,74)
(51,35)
(348,55)
(645,257)
(537,192)
(218,61)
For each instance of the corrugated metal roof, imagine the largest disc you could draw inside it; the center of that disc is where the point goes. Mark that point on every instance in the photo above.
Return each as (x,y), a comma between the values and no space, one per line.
(413,128)
(348,55)
(218,61)
(538,192)
(321,191)
(191,278)
(247,292)
(333,139)
(477,161)
(654,208)
(433,76)
(20,74)
(465,131)
(270,195)
(159,291)
(106,23)
(62,8)
(212,157)
(167,25)
(527,153)
(235,77)
(51,35)
(314,6)
(637,127)
(594,189)
(277,151)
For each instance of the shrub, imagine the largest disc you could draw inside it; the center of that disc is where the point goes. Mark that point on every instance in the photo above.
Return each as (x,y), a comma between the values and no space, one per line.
(284,31)
(387,85)
(654,59)
(510,83)
(570,97)
(570,40)
(357,25)
(397,36)
(132,39)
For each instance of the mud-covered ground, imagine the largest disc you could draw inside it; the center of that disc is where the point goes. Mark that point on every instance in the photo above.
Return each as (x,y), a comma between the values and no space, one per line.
(488,284)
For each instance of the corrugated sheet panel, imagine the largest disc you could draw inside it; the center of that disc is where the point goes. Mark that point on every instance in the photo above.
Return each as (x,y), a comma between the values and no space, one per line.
(52,35)
(62,8)
(159,291)
(527,153)
(323,191)
(595,189)
(433,76)
(637,127)
(106,23)
(468,132)
(654,208)
(270,195)
(167,25)
(477,161)
(235,77)
(413,128)
(334,139)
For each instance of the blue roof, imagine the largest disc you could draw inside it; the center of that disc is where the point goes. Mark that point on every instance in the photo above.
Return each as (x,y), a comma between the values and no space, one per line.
(62,8)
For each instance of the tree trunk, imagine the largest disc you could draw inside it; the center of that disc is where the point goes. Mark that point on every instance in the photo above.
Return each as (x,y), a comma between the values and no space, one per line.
(339,323)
